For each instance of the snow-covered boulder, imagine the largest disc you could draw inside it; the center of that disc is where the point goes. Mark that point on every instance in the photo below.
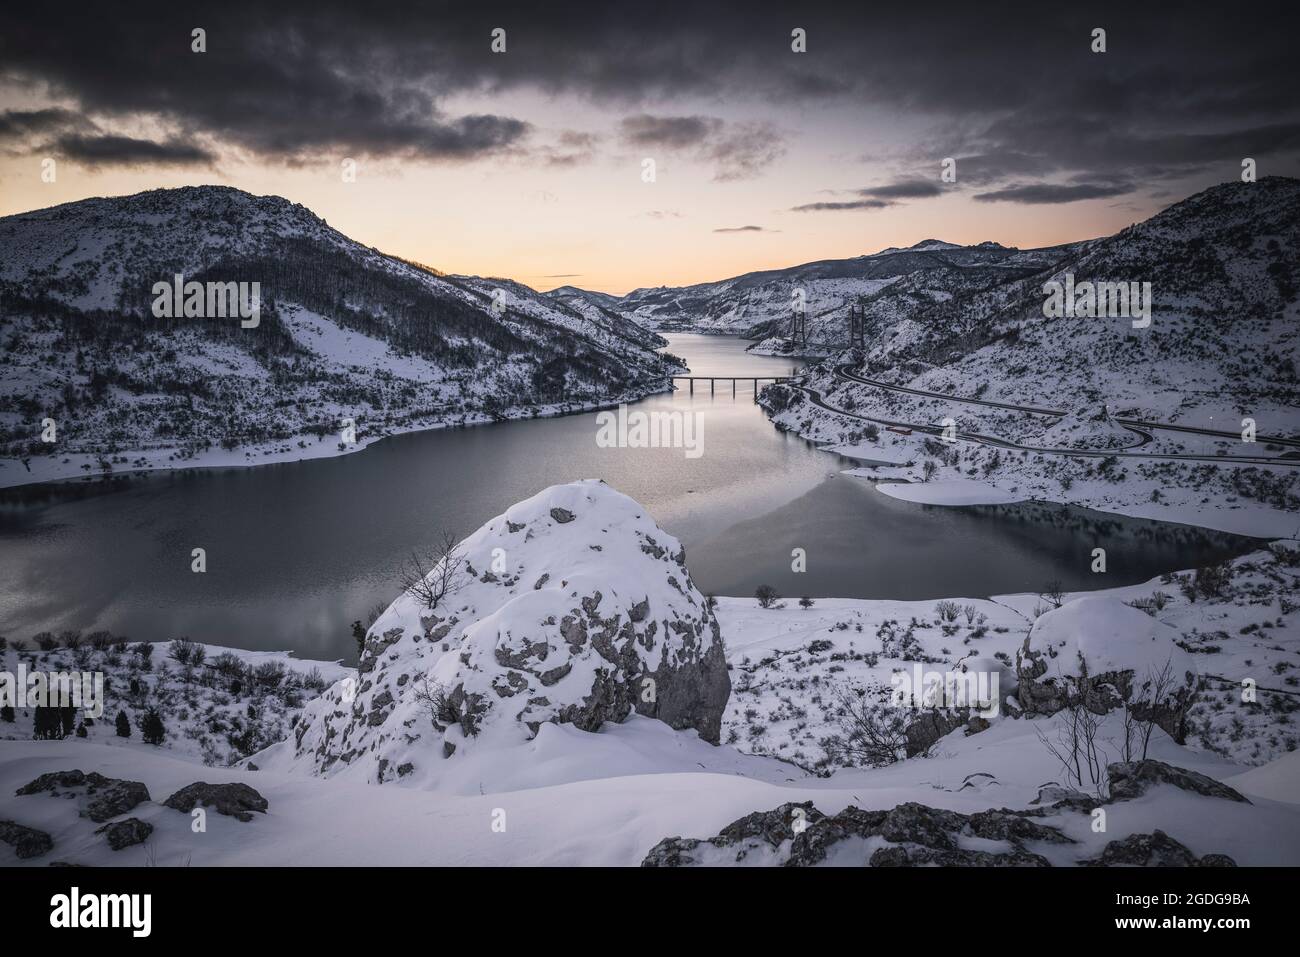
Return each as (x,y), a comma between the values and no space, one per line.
(572,607)
(1103,653)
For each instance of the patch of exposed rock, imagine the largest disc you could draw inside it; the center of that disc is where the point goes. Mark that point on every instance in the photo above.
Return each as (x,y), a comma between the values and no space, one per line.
(1129,780)
(124,834)
(1156,849)
(105,797)
(235,800)
(798,835)
(27,842)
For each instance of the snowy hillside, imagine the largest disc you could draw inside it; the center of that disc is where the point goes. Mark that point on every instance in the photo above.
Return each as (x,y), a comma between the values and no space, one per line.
(758,305)
(1075,409)
(217,705)
(345,332)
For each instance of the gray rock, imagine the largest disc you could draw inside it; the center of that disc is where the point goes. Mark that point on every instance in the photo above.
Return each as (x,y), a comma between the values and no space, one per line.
(916,835)
(27,841)
(1132,779)
(562,515)
(775,826)
(672,852)
(234,800)
(108,797)
(122,834)
(771,828)
(927,728)
(1156,849)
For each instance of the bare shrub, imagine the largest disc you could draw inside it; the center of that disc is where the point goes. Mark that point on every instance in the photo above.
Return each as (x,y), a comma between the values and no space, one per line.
(435,701)
(947,610)
(872,729)
(430,588)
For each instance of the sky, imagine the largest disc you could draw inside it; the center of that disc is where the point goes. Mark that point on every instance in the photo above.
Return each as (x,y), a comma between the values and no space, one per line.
(531,162)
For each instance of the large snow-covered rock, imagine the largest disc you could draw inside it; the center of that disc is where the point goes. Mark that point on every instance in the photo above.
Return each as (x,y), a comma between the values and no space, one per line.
(1104,653)
(573,607)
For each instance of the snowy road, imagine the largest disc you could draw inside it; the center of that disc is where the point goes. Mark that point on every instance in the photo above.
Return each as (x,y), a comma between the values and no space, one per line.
(844,373)
(1138,428)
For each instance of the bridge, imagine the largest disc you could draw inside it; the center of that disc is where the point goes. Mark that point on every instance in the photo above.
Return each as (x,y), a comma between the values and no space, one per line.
(713,381)
(857,317)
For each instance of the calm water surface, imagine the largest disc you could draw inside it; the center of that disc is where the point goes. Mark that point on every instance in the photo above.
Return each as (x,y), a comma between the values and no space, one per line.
(297,551)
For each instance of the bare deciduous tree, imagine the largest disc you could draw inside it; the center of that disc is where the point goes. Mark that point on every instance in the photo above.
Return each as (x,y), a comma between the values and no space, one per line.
(443,578)
(1077,745)
(1155,688)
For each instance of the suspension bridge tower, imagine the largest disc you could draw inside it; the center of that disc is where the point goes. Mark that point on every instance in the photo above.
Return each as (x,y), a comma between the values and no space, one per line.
(799,326)
(858,325)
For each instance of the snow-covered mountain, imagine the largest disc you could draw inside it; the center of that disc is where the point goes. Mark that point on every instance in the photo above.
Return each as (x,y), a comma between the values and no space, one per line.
(344,332)
(757,305)
(1221,352)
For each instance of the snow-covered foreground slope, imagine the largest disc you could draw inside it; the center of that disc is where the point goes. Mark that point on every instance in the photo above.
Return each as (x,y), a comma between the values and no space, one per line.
(534,668)
(790,664)
(350,344)
(613,818)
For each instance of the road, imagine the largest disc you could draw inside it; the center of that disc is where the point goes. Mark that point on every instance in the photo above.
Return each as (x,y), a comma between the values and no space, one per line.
(1139,428)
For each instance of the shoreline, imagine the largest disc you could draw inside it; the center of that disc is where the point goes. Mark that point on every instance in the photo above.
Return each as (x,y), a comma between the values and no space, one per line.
(60,472)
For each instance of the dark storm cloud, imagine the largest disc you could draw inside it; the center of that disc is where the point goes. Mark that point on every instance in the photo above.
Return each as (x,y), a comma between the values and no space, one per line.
(1053,193)
(737,151)
(740,229)
(128,151)
(1179,90)
(70,135)
(877,197)
(21,124)
(823,207)
(905,189)
(670,132)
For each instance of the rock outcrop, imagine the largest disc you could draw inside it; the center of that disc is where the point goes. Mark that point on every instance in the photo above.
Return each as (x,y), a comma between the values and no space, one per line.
(1156,849)
(798,835)
(233,800)
(571,607)
(912,835)
(124,834)
(1132,779)
(1101,653)
(105,797)
(27,842)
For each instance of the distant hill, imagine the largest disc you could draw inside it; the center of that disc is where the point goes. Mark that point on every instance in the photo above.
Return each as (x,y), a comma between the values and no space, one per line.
(345,331)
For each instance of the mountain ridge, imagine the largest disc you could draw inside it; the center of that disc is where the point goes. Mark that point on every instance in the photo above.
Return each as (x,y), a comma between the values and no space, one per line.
(345,332)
